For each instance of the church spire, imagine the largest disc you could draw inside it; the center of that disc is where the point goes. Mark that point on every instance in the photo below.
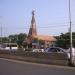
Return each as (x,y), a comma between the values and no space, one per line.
(32,30)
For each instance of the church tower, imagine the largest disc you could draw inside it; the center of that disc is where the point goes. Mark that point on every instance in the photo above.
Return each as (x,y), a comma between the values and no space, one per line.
(32,30)
(32,35)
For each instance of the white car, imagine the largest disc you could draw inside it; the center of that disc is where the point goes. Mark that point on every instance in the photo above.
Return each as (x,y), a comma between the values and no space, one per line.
(38,50)
(57,50)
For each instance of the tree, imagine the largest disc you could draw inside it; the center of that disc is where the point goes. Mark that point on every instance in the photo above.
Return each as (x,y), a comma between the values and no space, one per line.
(17,38)
(64,40)
(4,40)
(13,38)
(20,39)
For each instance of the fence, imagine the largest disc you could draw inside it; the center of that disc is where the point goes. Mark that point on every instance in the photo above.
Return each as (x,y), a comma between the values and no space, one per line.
(38,57)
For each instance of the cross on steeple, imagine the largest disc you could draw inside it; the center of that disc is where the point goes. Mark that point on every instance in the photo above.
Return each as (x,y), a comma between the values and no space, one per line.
(33,12)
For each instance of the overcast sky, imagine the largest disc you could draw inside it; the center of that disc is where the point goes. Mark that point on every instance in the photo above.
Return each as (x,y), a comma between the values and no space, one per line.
(51,16)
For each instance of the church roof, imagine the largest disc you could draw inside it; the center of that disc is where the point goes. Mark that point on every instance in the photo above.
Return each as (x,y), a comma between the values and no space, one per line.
(45,38)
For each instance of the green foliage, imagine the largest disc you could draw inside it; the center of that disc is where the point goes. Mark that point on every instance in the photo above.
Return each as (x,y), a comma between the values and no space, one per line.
(35,40)
(19,39)
(4,40)
(41,42)
(64,40)
(13,38)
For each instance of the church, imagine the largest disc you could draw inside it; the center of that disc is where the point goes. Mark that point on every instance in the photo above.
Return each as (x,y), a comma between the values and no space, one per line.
(32,35)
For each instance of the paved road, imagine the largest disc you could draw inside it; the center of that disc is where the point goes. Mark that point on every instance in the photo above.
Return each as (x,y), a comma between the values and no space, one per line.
(12,67)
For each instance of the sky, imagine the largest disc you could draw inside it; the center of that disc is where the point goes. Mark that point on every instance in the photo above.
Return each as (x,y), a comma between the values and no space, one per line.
(52,16)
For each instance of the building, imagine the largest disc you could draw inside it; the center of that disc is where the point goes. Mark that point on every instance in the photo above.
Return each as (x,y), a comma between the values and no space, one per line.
(8,46)
(32,35)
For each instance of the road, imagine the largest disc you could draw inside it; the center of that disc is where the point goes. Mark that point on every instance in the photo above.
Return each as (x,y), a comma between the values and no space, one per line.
(13,67)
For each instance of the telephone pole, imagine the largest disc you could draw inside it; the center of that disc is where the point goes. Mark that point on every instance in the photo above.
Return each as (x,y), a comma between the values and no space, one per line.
(70,32)
(1,29)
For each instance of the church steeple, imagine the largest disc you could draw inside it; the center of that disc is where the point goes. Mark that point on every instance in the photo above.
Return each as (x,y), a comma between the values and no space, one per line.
(32,30)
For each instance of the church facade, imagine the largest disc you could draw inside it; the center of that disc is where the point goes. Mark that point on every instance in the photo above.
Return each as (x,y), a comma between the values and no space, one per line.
(32,35)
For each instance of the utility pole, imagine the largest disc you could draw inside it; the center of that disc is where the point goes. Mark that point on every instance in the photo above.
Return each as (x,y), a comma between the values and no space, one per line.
(70,32)
(1,29)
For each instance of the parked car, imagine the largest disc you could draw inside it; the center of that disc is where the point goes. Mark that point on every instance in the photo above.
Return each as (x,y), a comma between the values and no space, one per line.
(54,49)
(38,50)
(57,50)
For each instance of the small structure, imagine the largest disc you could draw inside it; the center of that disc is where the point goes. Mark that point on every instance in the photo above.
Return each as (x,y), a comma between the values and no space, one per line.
(9,46)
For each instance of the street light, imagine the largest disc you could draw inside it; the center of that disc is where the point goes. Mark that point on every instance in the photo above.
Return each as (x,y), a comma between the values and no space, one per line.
(70,32)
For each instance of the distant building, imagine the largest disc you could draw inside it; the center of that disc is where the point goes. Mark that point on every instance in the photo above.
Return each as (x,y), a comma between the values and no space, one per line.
(9,46)
(48,40)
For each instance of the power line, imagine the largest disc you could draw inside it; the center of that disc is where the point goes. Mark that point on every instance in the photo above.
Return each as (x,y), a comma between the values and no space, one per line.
(47,26)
